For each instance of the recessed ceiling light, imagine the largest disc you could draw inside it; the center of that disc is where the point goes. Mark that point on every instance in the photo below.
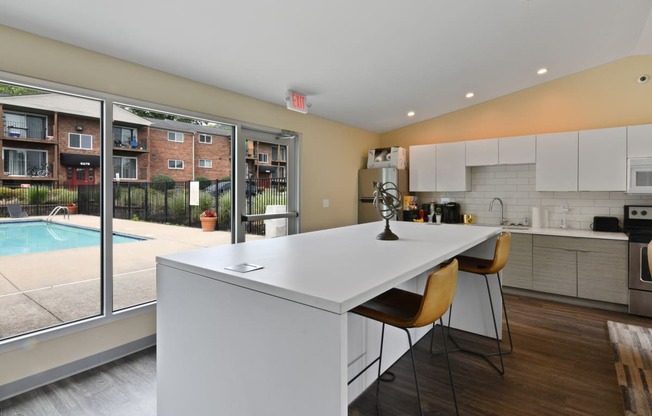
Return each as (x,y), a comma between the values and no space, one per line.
(642,79)
(410,113)
(469,95)
(542,71)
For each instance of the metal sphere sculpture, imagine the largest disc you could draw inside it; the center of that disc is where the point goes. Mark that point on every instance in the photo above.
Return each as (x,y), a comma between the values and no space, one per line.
(387,200)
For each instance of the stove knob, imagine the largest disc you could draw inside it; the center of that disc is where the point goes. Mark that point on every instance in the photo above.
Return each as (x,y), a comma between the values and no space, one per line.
(634,212)
(643,213)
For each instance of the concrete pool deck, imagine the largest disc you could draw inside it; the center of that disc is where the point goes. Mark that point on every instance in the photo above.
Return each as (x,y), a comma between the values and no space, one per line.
(40,290)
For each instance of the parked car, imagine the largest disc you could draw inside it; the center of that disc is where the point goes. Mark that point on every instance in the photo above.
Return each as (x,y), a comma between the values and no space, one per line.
(222,187)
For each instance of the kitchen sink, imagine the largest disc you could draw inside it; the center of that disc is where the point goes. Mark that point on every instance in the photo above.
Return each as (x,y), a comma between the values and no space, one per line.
(516,227)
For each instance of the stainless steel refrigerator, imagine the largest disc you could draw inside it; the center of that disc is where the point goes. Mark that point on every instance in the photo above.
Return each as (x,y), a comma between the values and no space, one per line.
(366,178)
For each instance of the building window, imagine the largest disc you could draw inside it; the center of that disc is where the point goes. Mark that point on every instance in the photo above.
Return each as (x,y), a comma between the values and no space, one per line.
(263,157)
(23,162)
(175,164)
(174,136)
(279,173)
(125,136)
(205,138)
(80,141)
(125,167)
(205,163)
(279,153)
(27,126)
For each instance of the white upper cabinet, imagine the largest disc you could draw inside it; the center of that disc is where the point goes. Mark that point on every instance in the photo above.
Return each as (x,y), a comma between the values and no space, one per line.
(517,150)
(639,141)
(603,159)
(423,173)
(452,173)
(556,161)
(482,152)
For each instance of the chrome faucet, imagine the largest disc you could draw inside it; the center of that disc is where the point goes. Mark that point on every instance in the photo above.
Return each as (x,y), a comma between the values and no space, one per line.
(503,221)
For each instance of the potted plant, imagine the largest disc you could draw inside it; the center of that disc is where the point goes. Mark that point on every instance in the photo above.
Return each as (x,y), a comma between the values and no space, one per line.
(208,220)
(72,208)
(438,215)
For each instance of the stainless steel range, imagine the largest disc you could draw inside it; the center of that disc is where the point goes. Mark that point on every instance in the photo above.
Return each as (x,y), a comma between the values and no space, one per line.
(637,224)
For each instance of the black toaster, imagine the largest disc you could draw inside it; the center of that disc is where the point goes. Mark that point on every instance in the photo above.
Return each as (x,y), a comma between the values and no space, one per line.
(609,224)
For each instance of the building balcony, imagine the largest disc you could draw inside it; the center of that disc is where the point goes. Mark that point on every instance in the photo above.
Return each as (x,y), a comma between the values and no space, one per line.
(137,146)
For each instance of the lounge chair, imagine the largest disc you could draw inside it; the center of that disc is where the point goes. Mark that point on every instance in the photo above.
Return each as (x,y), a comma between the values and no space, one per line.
(16,211)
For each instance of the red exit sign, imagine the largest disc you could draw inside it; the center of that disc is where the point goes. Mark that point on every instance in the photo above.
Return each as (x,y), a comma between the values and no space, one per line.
(297,102)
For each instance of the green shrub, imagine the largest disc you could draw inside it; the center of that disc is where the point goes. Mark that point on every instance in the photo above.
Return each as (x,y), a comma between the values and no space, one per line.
(61,196)
(178,204)
(206,201)
(260,201)
(137,195)
(155,198)
(204,182)
(8,193)
(162,182)
(224,208)
(37,195)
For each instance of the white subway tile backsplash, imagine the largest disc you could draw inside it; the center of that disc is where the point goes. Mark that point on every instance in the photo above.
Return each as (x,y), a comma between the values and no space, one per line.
(507,174)
(515,185)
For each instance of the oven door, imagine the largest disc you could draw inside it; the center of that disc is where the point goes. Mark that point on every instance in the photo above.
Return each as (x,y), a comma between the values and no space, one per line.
(639,270)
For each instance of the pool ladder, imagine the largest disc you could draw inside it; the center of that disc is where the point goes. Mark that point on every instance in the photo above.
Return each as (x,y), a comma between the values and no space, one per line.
(56,210)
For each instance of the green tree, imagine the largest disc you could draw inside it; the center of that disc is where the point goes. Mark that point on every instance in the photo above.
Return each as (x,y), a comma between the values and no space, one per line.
(16,90)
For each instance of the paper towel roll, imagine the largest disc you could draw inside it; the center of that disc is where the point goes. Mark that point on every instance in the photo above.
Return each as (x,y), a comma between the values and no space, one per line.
(536,217)
(544,218)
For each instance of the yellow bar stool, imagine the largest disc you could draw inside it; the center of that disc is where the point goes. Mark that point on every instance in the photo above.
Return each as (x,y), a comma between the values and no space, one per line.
(486,268)
(404,310)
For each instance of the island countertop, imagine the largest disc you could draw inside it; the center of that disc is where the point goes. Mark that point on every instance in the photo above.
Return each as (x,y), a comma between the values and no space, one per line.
(334,269)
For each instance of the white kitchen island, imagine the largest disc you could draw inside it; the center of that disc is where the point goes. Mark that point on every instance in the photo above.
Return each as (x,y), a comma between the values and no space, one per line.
(279,340)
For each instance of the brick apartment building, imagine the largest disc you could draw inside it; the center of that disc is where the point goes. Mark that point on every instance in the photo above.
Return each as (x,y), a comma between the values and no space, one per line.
(53,139)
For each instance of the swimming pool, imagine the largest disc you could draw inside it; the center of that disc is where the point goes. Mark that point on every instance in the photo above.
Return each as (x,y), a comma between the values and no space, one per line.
(38,236)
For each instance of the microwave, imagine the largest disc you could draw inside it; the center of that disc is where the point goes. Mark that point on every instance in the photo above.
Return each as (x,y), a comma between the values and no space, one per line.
(639,175)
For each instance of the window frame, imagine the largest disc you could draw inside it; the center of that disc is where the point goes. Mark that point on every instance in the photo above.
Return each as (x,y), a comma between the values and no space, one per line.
(26,129)
(122,177)
(176,134)
(80,141)
(266,157)
(109,315)
(133,130)
(208,139)
(25,151)
(183,164)
(210,163)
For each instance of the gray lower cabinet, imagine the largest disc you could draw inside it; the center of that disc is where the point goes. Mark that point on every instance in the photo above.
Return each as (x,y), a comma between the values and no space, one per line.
(555,270)
(518,270)
(602,274)
(586,268)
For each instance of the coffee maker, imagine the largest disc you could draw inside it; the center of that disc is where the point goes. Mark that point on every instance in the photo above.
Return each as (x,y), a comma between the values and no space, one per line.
(451,213)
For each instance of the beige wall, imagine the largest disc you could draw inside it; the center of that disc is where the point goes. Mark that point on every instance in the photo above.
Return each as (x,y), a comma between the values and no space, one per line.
(605,96)
(331,154)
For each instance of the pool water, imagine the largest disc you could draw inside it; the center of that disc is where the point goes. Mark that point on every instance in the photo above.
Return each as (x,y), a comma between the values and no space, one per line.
(39,236)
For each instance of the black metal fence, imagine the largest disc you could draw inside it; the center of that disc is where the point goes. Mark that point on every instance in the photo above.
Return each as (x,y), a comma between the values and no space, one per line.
(160,202)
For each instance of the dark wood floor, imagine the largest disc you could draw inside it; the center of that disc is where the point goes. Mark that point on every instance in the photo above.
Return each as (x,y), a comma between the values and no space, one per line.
(561,365)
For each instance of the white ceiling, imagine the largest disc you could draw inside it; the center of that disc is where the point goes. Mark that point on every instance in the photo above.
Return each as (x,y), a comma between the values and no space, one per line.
(365,63)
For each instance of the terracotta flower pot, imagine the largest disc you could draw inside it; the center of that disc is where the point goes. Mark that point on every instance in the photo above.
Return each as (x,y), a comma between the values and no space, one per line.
(208,223)
(72,209)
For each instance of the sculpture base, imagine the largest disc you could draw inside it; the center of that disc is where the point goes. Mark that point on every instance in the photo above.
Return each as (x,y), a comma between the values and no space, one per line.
(387,234)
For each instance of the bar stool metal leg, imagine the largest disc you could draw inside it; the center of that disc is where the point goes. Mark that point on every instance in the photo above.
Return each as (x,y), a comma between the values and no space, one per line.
(448,362)
(500,352)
